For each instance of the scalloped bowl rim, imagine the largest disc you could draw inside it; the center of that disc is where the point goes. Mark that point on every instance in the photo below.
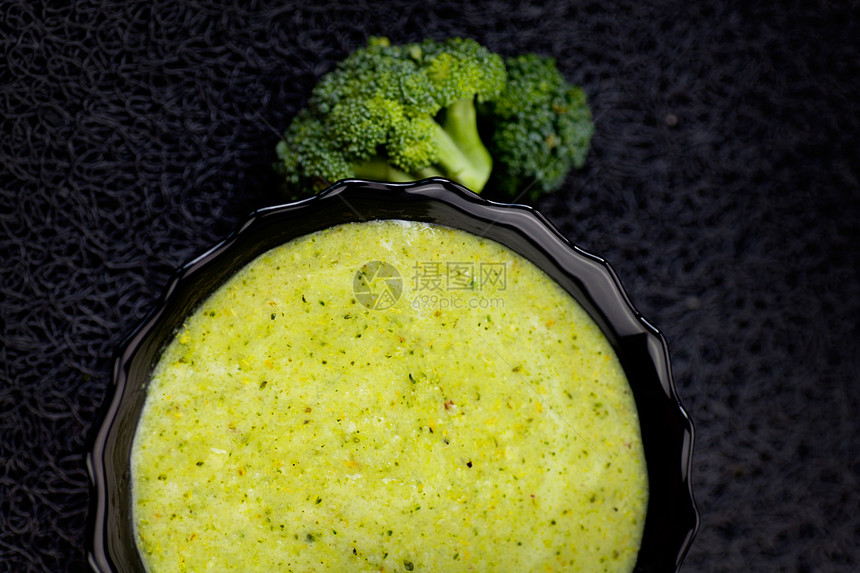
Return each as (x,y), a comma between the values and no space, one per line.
(672,519)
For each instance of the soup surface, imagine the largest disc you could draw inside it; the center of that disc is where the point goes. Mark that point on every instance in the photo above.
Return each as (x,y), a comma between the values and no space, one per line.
(389,396)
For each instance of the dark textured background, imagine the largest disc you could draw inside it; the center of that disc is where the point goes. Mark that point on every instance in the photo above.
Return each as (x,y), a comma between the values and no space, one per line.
(722,186)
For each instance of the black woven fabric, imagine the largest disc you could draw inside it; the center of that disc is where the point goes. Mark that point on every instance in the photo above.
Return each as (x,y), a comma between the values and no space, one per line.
(722,186)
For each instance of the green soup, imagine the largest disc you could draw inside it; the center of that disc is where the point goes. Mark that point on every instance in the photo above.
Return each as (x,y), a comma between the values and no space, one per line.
(389,396)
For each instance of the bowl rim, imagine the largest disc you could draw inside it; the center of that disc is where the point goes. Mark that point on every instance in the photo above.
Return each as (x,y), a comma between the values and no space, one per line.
(672,519)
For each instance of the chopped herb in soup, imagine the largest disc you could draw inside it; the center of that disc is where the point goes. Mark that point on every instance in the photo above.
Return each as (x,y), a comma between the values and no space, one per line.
(389,396)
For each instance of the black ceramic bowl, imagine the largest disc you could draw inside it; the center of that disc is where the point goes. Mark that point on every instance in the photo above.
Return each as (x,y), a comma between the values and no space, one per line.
(667,433)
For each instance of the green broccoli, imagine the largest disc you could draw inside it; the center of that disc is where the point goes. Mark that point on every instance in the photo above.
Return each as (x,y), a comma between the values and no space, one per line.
(407,112)
(538,129)
(396,113)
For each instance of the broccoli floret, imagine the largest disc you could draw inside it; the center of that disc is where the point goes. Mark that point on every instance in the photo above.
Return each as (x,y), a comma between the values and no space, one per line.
(406,112)
(539,127)
(396,113)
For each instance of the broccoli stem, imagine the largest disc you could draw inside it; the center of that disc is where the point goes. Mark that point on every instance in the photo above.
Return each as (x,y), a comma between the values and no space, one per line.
(378,169)
(462,153)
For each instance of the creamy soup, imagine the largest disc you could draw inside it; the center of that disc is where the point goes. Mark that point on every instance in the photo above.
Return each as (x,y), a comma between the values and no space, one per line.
(389,396)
